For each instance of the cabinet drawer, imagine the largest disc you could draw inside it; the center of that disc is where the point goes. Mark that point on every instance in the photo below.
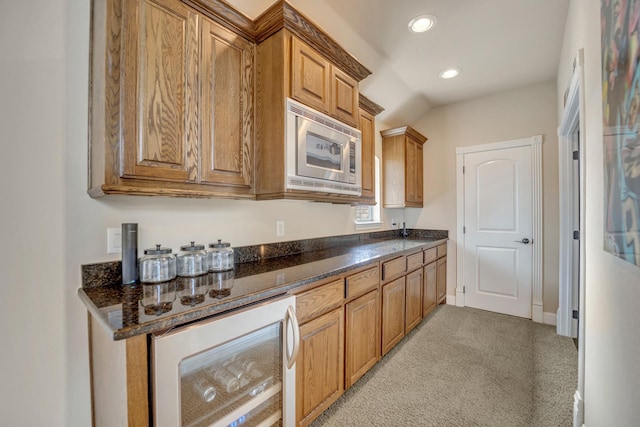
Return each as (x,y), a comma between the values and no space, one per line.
(442,250)
(414,261)
(363,282)
(320,300)
(430,255)
(393,268)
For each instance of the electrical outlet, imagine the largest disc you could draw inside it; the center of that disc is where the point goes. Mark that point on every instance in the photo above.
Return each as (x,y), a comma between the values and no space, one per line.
(114,240)
(394,224)
(279,228)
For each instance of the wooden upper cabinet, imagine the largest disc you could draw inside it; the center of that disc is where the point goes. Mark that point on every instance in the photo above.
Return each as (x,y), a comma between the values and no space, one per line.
(402,168)
(171,103)
(368,111)
(321,85)
(310,77)
(227,98)
(161,89)
(344,97)
(367,127)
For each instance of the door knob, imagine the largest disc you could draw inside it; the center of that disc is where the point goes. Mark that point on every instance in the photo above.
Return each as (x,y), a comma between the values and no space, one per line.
(524,241)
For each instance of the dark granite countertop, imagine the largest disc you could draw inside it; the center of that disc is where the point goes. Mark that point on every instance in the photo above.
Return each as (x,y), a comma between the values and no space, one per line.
(130,310)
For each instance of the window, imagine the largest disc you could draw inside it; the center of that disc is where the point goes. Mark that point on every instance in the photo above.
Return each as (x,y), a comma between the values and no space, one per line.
(369,216)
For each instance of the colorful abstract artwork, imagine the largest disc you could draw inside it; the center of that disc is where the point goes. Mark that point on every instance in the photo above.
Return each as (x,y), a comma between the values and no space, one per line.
(620,21)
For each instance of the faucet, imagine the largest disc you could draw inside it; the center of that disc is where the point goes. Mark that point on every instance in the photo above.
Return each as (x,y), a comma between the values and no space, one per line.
(404,232)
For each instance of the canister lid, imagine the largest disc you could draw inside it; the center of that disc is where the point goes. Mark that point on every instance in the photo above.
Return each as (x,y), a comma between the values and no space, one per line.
(157,251)
(220,244)
(192,247)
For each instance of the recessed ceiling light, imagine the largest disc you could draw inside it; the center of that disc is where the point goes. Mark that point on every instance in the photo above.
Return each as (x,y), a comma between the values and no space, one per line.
(422,23)
(449,73)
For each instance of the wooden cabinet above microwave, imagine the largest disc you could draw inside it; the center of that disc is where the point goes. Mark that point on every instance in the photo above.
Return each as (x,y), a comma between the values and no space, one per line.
(294,59)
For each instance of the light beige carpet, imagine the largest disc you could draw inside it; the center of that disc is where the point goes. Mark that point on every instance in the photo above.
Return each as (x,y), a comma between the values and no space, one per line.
(466,367)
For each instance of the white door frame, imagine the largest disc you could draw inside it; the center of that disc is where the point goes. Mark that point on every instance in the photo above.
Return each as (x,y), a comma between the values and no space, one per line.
(569,126)
(572,121)
(535,142)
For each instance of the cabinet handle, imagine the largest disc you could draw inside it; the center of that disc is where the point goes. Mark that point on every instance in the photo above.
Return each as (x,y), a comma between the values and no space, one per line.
(290,317)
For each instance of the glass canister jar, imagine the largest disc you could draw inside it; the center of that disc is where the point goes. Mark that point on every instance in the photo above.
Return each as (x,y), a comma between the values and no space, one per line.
(221,284)
(220,256)
(192,260)
(157,265)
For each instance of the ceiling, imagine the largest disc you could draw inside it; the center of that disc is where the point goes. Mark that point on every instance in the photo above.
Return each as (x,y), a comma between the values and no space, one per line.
(498,45)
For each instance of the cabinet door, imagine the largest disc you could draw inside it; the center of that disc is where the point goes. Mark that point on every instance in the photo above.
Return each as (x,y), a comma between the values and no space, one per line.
(367,127)
(362,336)
(310,76)
(430,297)
(393,300)
(344,97)
(414,173)
(227,99)
(160,122)
(413,309)
(442,279)
(320,365)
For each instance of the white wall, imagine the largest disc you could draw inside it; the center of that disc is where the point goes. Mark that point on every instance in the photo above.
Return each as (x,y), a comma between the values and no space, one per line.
(51,226)
(32,92)
(612,341)
(518,113)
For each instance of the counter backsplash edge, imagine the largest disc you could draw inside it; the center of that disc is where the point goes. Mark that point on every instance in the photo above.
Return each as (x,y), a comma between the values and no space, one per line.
(110,272)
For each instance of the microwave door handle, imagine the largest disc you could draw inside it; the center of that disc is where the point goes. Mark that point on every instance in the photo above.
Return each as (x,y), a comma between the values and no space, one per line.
(290,318)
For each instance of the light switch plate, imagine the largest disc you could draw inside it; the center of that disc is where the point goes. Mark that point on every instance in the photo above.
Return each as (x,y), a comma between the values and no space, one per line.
(114,240)
(279,228)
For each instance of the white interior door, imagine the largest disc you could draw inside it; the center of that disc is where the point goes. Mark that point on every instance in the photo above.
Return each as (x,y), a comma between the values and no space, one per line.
(498,236)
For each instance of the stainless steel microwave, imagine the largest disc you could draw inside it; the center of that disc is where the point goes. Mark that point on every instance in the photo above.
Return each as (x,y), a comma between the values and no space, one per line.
(322,153)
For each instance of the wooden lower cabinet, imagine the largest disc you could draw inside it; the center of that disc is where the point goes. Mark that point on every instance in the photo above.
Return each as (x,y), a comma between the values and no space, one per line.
(362,336)
(393,313)
(320,365)
(413,302)
(442,279)
(430,297)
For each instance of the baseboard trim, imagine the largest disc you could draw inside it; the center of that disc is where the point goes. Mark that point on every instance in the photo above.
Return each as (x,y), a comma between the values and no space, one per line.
(536,313)
(550,318)
(451,299)
(578,410)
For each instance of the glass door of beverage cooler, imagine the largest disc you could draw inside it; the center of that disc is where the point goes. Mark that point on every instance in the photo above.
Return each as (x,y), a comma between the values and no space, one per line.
(233,370)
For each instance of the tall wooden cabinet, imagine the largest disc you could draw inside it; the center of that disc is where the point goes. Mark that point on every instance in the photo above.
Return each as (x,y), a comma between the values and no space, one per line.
(402,167)
(368,111)
(295,59)
(171,102)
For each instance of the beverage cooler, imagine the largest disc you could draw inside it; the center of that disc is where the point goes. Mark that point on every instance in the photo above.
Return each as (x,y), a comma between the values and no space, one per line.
(233,370)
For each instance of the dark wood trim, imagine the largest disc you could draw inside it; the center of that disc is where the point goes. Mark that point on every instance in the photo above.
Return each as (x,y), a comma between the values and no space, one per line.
(283,15)
(369,106)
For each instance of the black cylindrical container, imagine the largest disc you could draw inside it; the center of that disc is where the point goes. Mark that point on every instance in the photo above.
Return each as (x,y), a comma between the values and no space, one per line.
(129,253)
